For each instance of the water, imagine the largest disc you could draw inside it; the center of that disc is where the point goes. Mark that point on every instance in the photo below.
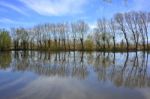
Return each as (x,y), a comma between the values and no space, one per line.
(96,75)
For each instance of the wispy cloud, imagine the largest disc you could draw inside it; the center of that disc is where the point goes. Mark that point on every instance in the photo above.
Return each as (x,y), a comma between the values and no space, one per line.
(6,20)
(15,8)
(55,7)
(9,21)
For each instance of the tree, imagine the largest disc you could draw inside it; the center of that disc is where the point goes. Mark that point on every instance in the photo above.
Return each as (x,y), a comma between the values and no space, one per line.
(74,34)
(68,31)
(23,36)
(97,38)
(62,32)
(54,31)
(5,60)
(145,21)
(32,36)
(141,31)
(15,39)
(82,28)
(131,19)
(112,27)
(119,17)
(102,29)
(5,40)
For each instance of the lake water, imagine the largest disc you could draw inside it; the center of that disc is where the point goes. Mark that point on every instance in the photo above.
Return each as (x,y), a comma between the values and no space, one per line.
(64,75)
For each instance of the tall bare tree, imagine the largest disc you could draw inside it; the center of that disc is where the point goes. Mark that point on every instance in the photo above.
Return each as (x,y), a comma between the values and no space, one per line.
(74,34)
(131,19)
(119,17)
(145,21)
(101,25)
(82,28)
(113,30)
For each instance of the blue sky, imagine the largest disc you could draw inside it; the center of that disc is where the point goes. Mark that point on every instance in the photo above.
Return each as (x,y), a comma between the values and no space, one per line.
(27,13)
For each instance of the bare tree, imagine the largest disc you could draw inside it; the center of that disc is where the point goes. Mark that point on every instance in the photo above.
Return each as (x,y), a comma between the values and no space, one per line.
(38,31)
(74,34)
(62,30)
(101,25)
(48,28)
(54,29)
(131,19)
(22,37)
(141,31)
(32,37)
(82,30)
(112,27)
(97,38)
(67,30)
(119,17)
(15,38)
(134,27)
(145,21)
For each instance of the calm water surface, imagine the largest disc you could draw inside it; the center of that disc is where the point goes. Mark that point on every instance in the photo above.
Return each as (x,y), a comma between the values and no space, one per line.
(42,75)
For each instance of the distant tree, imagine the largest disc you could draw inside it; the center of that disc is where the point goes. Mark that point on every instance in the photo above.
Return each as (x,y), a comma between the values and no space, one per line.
(5,40)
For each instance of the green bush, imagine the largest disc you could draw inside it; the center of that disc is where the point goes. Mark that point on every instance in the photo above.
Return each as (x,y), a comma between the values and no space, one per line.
(5,40)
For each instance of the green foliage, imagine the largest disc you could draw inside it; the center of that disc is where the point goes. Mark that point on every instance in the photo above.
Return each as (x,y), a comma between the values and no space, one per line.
(89,44)
(5,40)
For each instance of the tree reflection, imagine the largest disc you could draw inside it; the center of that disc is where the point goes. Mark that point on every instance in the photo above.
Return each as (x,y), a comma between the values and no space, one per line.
(5,60)
(126,69)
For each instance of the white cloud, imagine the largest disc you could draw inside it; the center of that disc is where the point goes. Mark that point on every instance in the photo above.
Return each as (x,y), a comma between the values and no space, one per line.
(17,9)
(55,7)
(92,25)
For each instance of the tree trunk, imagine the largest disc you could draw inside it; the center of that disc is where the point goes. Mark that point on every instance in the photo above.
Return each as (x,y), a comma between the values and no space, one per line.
(74,41)
(143,38)
(108,44)
(126,38)
(82,44)
(68,45)
(45,44)
(147,41)
(49,43)
(64,44)
(56,43)
(59,43)
(114,43)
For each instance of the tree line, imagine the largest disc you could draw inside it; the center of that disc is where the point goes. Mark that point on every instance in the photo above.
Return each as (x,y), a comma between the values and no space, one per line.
(127,31)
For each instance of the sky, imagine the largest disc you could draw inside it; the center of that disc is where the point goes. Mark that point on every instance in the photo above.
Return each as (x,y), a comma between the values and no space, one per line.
(27,13)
